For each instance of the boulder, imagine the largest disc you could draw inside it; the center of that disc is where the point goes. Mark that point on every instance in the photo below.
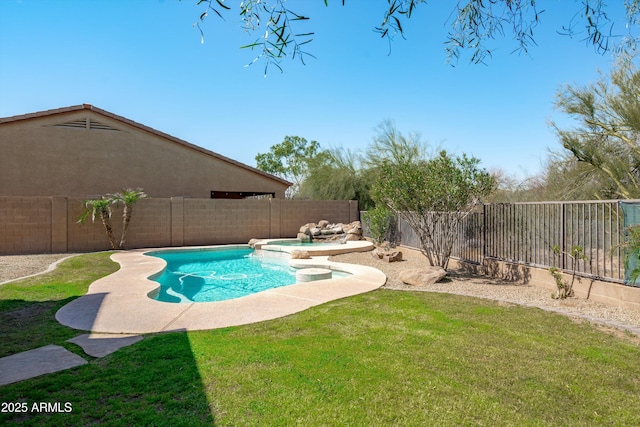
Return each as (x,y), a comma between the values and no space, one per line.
(252,242)
(422,276)
(315,231)
(387,256)
(350,237)
(353,228)
(298,254)
(306,229)
(323,223)
(392,256)
(304,238)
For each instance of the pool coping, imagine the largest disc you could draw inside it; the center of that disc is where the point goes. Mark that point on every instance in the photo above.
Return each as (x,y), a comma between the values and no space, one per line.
(322,249)
(118,303)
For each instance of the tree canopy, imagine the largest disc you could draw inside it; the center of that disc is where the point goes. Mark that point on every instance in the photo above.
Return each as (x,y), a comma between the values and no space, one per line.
(471,24)
(290,160)
(433,196)
(606,141)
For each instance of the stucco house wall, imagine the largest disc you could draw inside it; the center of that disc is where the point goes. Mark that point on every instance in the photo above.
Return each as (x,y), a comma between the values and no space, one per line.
(83,151)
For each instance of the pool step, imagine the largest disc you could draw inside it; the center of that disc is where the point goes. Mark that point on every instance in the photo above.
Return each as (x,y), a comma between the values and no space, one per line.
(312,274)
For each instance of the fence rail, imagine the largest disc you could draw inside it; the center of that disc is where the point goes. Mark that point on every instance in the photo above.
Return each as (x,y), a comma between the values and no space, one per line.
(526,233)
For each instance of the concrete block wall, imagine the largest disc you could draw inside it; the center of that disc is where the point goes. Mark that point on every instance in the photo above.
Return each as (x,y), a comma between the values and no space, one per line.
(49,224)
(221,221)
(25,225)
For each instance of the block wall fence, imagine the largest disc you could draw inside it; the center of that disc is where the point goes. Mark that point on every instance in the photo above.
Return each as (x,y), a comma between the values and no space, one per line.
(31,225)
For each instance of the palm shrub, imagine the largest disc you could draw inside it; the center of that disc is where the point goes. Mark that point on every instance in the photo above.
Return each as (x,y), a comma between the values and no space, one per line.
(100,208)
(128,198)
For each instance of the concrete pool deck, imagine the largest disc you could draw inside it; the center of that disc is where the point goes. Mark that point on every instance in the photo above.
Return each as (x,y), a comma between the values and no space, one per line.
(119,303)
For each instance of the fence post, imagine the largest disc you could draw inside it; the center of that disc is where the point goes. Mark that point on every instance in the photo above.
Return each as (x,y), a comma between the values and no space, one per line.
(177,221)
(59,221)
(275,215)
(484,233)
(563,235)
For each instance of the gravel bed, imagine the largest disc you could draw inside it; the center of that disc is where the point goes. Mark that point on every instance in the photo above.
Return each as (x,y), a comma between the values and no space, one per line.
(15,266)
(462,283)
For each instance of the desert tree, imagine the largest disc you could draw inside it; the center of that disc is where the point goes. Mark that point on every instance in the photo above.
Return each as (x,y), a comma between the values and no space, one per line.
(607,137)
(433,196)
(278,31)
(290,160)
(339,175)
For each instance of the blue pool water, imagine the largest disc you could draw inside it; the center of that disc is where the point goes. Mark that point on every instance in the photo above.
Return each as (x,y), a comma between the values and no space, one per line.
(218,275)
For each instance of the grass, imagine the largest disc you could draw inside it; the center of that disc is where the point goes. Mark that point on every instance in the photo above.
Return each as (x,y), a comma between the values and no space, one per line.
(382,358)
(28,307)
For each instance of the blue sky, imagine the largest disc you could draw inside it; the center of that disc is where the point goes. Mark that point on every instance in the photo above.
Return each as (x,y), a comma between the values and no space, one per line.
(143,60)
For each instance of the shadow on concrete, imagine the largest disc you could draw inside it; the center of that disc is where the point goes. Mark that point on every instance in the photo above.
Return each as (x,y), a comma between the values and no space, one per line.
(508,272)
(81,313)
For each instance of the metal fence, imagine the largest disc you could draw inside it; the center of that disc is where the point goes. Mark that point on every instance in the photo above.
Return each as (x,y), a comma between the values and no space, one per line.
(526,233)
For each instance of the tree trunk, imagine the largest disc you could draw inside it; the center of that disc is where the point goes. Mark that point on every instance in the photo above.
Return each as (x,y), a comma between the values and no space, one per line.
(126,217)
(106,221)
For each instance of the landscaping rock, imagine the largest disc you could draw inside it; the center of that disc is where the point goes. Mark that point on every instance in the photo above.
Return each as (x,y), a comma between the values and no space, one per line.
(306,229)
(326,231)
(304,238)
(252,242)
(349,237)
(298,254)
(388,256)
(422,276)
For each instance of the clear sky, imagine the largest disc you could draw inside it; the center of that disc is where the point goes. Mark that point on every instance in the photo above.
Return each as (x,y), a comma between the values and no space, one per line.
(144,60)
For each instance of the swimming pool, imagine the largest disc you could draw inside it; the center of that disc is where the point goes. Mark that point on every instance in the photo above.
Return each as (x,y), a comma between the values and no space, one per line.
(218,275)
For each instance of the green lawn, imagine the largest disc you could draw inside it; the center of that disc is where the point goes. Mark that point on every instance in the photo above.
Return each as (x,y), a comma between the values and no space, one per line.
(379,359)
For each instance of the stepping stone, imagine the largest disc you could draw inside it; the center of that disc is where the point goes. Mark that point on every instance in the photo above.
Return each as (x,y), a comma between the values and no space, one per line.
(40,361)
(100,345)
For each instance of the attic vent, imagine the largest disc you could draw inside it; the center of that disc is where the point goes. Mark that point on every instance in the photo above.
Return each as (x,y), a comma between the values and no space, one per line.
(98,125)
(86,124)
(75,124)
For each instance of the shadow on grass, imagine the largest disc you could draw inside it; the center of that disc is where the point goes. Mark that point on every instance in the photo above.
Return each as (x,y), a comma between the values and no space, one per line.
(153,382)
(25,325)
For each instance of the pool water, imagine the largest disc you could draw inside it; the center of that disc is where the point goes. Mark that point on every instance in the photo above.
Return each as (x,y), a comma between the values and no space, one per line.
(218,275)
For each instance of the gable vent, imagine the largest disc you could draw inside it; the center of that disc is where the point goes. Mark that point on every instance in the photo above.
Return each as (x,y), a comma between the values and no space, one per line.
(76,124)
(86,124)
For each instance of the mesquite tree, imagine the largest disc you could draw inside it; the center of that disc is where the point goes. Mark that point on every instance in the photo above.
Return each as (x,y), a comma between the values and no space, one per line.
(433,196)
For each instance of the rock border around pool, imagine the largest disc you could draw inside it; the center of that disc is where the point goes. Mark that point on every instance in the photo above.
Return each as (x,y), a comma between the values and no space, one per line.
(119,303)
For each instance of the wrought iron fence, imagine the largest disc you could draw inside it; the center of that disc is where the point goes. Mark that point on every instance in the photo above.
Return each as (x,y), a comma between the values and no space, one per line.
(527,233)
